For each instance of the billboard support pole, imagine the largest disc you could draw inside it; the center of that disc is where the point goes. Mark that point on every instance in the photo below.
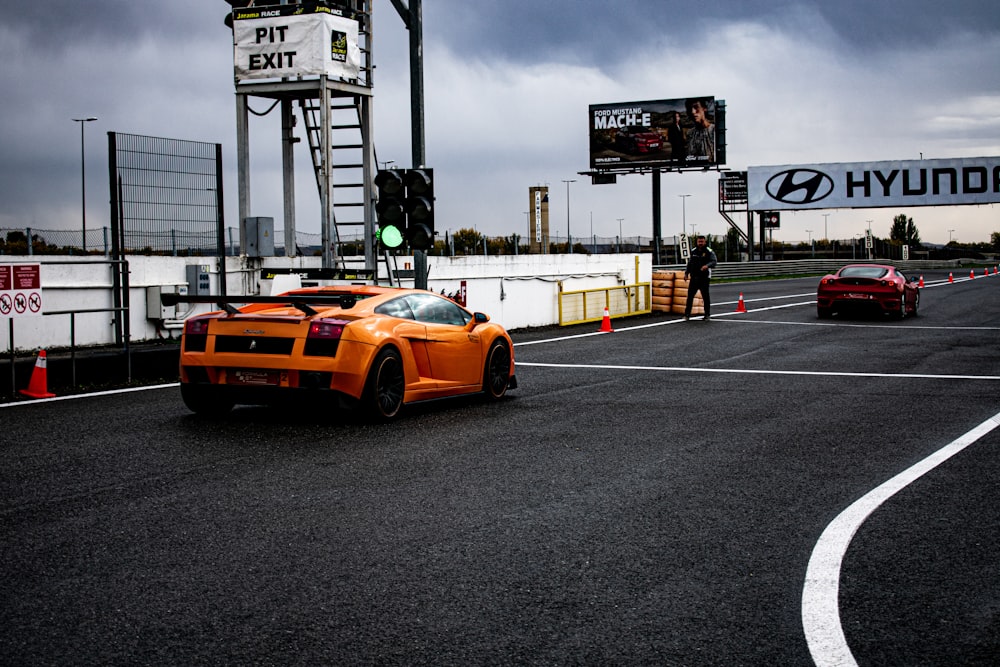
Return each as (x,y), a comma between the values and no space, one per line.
(657,226)
(763,237)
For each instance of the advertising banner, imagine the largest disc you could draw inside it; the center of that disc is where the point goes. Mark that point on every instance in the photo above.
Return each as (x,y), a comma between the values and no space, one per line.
(538,219)
(657,133)
(946,182)
(292,40)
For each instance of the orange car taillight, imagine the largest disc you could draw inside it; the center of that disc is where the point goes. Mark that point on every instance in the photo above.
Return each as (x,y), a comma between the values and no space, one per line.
(195,334)
(196,327)
(326,329)
(324,337)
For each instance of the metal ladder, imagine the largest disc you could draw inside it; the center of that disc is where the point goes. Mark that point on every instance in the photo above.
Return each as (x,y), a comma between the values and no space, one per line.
(347,147)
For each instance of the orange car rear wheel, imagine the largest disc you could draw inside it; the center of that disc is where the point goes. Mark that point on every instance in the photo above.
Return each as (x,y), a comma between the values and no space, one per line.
(383,396)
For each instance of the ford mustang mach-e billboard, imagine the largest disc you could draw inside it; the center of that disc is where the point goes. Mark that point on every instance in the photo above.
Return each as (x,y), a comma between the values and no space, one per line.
(677,133)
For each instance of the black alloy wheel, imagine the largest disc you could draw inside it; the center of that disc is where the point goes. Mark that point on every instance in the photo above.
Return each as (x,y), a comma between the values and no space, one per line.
(496,375)
(385,385)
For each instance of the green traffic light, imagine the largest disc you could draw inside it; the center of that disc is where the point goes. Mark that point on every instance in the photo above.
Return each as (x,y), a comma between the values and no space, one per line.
(390,236)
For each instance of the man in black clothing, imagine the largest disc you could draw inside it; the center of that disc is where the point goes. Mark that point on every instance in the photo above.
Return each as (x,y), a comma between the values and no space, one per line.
(699,271)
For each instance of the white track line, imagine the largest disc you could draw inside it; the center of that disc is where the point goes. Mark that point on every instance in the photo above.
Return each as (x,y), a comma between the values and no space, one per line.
(70,397)
(846,325)
(752,371)
(820,594)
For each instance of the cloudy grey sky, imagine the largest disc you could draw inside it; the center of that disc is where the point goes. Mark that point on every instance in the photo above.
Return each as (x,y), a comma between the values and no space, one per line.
(508,86)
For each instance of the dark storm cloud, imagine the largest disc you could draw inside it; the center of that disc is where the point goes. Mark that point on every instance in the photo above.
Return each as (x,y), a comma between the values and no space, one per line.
(594,32)
(60,24)
(509,77)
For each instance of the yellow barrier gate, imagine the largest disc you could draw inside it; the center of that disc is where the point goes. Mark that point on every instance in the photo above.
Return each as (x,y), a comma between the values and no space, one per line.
(587,305)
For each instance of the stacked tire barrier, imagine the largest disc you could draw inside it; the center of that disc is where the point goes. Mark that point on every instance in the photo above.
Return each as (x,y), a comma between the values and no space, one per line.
(670,293)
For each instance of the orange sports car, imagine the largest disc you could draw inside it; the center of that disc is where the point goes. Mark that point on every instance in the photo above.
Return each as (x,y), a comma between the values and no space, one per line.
(380,347)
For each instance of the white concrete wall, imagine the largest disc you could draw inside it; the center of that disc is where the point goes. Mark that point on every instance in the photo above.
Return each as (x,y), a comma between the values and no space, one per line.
(518,291)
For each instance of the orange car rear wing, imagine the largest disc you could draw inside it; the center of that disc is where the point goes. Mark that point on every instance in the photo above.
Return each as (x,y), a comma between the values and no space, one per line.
(300,301)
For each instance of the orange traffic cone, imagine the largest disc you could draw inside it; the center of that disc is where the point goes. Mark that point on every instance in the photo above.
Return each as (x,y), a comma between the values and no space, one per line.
(740,306)
(606,322)
(38,386)
(972,275)
(921,283)
(986,272)
(951,278)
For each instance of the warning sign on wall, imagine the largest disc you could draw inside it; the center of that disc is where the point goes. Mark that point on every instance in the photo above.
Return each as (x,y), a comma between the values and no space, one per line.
(20,290)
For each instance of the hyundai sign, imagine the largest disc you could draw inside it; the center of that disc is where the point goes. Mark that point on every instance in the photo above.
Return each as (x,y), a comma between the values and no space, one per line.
(951,182)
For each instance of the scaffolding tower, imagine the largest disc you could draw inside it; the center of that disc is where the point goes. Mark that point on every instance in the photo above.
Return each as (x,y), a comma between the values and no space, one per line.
(337,114)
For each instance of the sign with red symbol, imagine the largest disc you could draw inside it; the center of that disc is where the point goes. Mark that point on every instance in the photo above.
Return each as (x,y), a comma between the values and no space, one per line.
(20,290)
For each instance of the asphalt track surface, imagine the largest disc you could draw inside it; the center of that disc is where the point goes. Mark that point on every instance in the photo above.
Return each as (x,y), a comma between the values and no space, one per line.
(766,488)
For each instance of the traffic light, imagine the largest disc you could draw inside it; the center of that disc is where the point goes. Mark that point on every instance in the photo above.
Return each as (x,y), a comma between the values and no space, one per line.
(420,208)
(391,206)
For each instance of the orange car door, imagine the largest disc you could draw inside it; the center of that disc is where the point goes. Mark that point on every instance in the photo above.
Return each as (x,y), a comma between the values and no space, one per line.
(455,354)
(453,347)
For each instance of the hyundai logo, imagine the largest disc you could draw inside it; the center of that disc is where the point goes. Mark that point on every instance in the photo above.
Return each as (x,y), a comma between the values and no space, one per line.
(800,186)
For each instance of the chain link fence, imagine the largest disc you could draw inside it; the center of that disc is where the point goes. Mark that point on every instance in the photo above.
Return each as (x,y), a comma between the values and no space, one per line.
(180,242)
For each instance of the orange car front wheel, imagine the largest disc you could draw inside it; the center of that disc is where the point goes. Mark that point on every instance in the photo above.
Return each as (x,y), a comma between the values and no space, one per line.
(496,375)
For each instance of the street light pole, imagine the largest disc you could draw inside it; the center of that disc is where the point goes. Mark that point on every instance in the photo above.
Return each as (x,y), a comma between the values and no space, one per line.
(826,232)
(810,233)
(83,179)
(569,238)
(684,213)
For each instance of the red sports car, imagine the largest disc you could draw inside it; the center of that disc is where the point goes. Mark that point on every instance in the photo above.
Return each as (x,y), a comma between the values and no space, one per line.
(638,139)
(869,286)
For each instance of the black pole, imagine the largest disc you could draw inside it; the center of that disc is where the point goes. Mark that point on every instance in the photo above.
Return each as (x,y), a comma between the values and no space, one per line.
(417,119)
(657,220)
(220,232)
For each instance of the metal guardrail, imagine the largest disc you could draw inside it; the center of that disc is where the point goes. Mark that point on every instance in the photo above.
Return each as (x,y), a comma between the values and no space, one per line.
(736,270)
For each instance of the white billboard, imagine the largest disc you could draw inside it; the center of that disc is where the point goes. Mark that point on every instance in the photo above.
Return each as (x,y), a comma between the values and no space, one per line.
(949,182)
(288,41)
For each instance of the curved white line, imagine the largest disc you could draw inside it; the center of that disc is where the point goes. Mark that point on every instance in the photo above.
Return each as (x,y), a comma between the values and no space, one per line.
(820,595)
